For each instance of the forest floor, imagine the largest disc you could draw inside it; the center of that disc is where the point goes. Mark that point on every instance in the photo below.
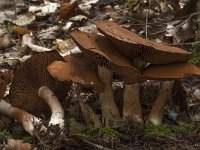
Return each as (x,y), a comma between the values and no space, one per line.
(165,23)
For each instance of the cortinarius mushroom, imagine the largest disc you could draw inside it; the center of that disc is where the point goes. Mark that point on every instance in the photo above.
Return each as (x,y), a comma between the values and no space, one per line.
(172,72)
(99,50)
(80,70)
(141,50)
(32,79)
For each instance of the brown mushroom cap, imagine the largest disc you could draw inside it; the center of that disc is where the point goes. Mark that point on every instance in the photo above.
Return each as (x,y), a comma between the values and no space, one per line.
(170,71)
(134,46)
(77,69)
(99,50)
(29,77)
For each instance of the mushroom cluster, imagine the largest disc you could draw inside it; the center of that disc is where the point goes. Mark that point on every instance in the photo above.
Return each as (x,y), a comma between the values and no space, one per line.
(34,91)
(134,59)
(44,79)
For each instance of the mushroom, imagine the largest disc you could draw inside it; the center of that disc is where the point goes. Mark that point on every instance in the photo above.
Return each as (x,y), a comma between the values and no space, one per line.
(171,72)
(76,69)
(80,70)
(28,80)
(99,50)
(141,51)
(134,46)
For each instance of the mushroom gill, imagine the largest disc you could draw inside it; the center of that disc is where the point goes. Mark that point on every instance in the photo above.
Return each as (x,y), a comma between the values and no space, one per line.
(134,46)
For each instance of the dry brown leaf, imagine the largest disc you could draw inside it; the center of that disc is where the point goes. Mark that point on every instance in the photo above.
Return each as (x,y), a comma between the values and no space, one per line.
(66,10)
(21,30)
(17,145)
(5,41)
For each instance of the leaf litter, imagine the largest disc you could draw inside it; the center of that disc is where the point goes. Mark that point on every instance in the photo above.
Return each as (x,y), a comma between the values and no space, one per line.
(49,21)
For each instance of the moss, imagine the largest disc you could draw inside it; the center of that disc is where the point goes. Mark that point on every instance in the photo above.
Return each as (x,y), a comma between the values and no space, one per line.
(102,132)
(196,55)
(185,128)
(196,58)
(154,130)
(16,133)
(132,3)
(5,133)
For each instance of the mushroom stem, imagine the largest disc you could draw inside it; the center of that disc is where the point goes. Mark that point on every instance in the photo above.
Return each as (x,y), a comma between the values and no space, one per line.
(110,112)
(132,108)
(27,120)
(157,111)
(57,116)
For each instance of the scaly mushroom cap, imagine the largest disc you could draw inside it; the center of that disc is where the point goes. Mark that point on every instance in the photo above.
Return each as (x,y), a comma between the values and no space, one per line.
(29,77)
(99,50)
(134,46)
(170,71)
(77,69)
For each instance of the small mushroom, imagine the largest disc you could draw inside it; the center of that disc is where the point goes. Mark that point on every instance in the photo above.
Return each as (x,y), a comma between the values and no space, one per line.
(29,78)
(134,46)
(80,70)
(99,50)
(76,69)
(170,72)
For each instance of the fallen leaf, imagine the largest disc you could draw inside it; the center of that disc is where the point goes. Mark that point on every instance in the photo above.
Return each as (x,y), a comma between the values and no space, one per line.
(45,9)
(24,19)
(17,145)
(5,41)
(28,40)
(21,30)
(66,10)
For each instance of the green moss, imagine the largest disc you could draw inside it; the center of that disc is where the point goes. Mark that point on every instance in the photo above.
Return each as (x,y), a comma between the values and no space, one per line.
(196,58)
(132,3)
(5,133)
(185,128)
(16,133)
(196,55)
(103,131)
(154,130)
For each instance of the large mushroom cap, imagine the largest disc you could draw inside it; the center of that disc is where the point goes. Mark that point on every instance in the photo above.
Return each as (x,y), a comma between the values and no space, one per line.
(98,49)
(77,69)
(170,71)
(134,46)
(29,77)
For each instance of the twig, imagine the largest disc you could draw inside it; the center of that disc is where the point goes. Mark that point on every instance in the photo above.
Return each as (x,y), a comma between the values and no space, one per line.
(95,145)
(191,43)
(44,145)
